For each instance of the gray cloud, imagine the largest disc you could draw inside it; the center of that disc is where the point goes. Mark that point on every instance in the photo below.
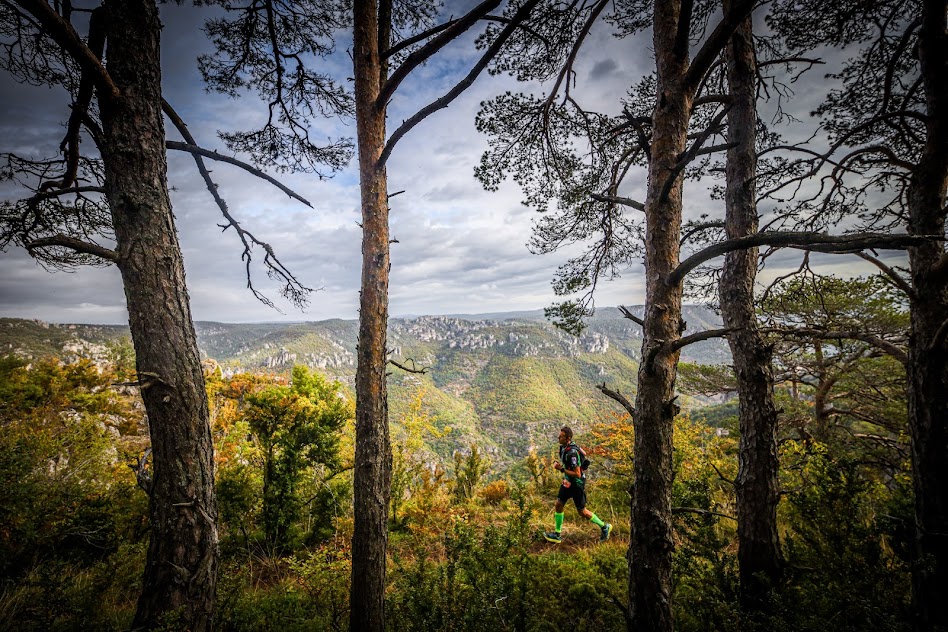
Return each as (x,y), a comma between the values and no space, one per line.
(603,69)
(461,249)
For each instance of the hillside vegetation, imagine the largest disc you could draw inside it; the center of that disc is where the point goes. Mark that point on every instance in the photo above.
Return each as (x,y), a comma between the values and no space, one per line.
(505,382)
(466,551)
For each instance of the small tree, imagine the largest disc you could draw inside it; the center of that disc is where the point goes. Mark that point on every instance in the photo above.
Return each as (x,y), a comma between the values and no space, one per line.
(408,450)
(296,427)
(468,472)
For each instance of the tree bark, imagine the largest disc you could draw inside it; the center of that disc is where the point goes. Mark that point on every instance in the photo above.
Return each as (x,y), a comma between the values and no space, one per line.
(181,567)
(373,459)
(651,547)
(927,366)
(759,556)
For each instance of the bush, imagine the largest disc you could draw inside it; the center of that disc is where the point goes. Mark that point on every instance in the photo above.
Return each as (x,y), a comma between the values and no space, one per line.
(494,493)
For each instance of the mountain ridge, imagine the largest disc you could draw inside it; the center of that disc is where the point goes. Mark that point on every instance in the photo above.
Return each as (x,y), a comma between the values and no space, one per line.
(504,380)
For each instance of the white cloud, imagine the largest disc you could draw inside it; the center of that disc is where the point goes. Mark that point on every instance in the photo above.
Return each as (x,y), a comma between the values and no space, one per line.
(460,249)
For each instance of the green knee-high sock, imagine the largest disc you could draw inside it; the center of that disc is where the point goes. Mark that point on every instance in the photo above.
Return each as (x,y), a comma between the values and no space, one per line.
(559,521)
(596,521)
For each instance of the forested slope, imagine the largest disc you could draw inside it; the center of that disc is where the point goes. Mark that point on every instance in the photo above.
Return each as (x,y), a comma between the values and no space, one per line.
(503,381)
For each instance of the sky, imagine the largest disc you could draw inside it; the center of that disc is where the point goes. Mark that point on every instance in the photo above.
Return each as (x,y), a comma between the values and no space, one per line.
(460,249)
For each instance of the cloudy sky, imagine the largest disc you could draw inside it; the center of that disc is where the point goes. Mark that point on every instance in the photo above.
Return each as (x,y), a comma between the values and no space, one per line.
(460,249)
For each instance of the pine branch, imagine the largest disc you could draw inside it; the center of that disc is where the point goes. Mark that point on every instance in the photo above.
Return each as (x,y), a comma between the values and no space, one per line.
(461,86)
(214,155)
(447,35)
(76,245)
(619,397)
(66,37)
(800,240)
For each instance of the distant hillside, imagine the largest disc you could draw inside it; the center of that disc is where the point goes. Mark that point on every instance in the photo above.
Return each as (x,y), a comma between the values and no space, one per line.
(506,381)
(36,339)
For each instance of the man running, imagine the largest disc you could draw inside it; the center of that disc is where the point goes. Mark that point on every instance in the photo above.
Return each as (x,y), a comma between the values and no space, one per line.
(574,486)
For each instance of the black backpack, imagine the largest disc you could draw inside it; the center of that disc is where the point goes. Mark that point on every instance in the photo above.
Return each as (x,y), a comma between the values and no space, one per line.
(584,461)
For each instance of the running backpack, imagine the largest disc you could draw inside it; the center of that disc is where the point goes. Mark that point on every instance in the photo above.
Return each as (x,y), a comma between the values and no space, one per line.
(584,461)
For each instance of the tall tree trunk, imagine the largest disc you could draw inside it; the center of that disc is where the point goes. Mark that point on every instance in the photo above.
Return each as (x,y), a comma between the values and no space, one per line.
(759,556)
(928,350)
(373,459)
(181,567)
(651,548)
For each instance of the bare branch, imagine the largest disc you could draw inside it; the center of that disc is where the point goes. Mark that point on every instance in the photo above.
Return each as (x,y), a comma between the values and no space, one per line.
(800,240)
(448,35)
(694,150)
(879,343)
(697,228)
(623,201)
(412,369)
(293,290)
(63,34)
(681,343)
(895,443)
(461,86)
(574,51)
(420,37)
(142,475)
(704,512)
(619,397)
(213,155)
(721,474)
(939,269)
(47,195)
(714,44)
(628,314)
(804,265)
(894,276)
(813,61)
(76,245)
(940,336)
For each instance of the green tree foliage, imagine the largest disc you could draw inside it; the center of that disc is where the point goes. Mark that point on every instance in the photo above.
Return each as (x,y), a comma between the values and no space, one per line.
(840,351)
(469,471)
(296,427)
(848,533)
(409,452)
(464,559)
(71,518)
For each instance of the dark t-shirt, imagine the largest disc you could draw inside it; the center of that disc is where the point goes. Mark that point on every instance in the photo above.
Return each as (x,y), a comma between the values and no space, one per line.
(571,459)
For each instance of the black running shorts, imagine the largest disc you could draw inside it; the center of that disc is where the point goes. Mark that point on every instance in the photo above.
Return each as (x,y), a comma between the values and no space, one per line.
(570,490)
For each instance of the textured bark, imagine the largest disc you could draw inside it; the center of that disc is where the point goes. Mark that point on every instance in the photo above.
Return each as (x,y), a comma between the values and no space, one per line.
(181,567)
(373,460)
(928,355)
(759,556)
(652,545)
(650,552)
